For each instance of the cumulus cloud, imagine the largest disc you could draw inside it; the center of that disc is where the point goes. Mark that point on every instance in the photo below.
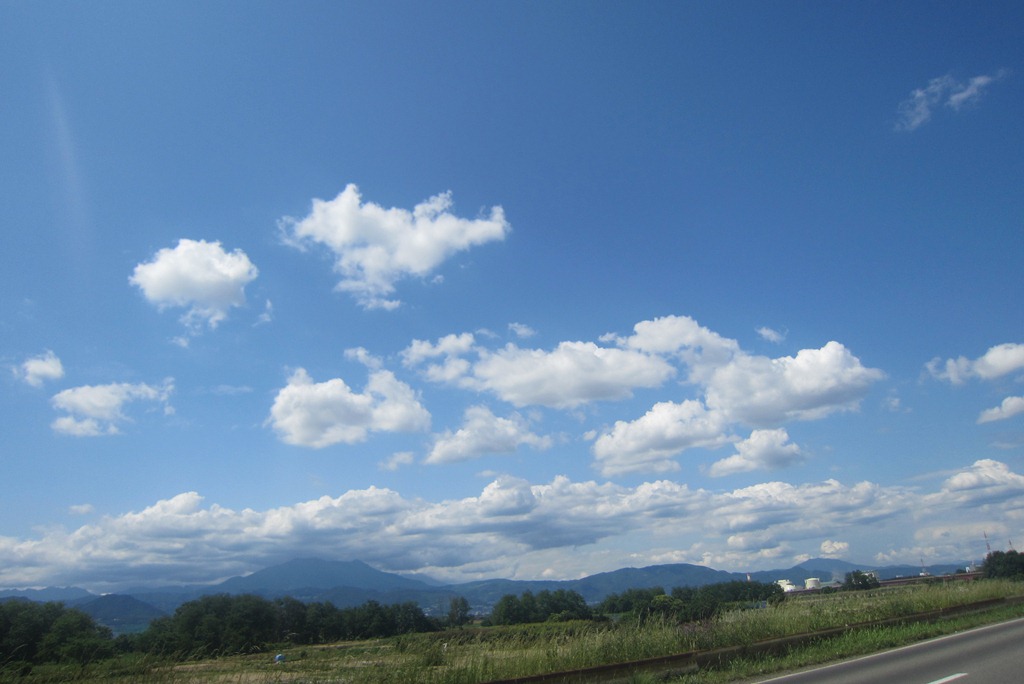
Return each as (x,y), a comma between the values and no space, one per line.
(699,347)
(1010,407)
(985,483)
(732,387)
(945,90)
(199,276)
(517,528)
(815,383)
(483,433)
(649,443)
(998,361)
(738,388)
(763,450)
(832,549)
(572,374)
(38,369)
(312,414)
(94,410)
(375,247)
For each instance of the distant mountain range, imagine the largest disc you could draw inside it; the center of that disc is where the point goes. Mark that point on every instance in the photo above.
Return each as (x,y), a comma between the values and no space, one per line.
(352,583)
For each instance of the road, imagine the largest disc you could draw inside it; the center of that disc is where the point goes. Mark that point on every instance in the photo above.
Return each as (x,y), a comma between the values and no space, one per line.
(986,655)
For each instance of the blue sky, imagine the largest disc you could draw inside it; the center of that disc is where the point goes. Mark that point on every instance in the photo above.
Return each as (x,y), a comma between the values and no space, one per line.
(508,289)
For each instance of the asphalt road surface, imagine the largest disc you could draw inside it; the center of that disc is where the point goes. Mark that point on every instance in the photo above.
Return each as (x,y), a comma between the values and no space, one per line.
(987,655)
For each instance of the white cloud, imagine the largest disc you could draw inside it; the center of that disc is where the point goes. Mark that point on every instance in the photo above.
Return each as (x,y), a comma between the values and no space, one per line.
(375,247)
(268,314)
(985,483)
(1010,407)
(199,276)
(832,549)
(769,335)
(95,410)
(815,383)
(763,450)
(482,433)
(649,443)
(515,528)
(317,415)
(397,460)
(998,361)
(361,355)
(449,345)
(734,387)
(38,369)
(81,509)
(521,330)
(971,92)
(917,109)
(701,348)
(572,374)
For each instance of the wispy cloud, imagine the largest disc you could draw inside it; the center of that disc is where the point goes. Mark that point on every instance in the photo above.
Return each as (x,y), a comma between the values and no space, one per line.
(946,91)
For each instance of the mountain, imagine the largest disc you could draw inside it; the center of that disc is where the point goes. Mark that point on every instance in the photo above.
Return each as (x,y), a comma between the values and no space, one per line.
(596,587)
(65,594)
(122,614)
(353,583)
(303,573)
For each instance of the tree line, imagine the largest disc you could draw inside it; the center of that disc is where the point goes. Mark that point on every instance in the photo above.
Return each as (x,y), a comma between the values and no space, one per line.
(688,604)
(1004,564)
(34,633)
(560,605)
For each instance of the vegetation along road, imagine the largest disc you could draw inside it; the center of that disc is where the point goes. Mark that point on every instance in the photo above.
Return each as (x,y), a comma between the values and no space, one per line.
(986,655)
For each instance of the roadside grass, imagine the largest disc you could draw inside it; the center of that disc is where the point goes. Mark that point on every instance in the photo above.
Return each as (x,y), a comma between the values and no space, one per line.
(477,654)
(844,646)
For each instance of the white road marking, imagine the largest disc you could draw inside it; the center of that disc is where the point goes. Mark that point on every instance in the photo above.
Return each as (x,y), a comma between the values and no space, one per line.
(949,678)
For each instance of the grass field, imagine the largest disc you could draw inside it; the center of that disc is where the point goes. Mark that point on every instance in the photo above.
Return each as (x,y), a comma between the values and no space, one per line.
(477,654)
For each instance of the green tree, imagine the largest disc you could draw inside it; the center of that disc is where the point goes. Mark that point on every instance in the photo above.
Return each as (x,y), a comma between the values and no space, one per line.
(1004,564)
(562,605)
(458,611)
(75,637)
(629,601)
(859,580)
(49,632)
(509,611)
